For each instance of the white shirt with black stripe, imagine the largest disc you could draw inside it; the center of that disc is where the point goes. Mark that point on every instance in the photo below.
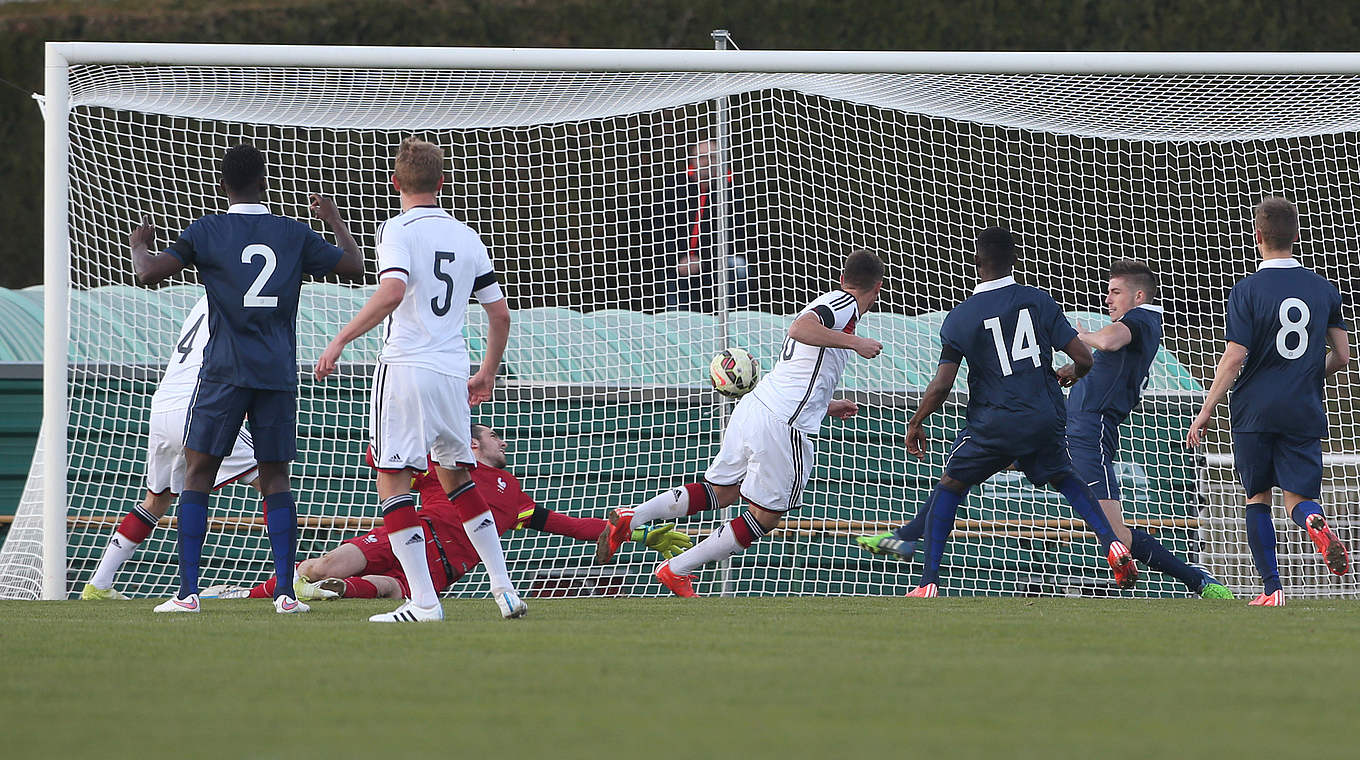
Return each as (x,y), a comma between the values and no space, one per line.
(798,389)
(176,389)
(443,263)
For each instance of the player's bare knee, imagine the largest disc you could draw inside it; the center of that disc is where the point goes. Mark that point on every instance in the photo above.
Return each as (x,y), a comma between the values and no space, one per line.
(387,587)
(273,478)
(768,520)
(727,495)
(157,504)
(953,485)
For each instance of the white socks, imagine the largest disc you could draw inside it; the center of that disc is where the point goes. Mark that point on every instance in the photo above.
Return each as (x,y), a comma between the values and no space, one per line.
(486,540)
(719,545)
(408,544)
(119,550)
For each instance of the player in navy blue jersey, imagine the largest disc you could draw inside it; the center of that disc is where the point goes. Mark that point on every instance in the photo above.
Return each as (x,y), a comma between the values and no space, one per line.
(1016,411)
(1281,322)
(251,263)
(1097,406)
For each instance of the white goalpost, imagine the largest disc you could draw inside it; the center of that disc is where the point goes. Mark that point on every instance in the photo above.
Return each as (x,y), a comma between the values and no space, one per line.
(626,273)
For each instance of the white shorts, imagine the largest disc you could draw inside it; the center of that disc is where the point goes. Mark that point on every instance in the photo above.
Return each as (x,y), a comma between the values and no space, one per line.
(770,459)
(165,455)
(417,414)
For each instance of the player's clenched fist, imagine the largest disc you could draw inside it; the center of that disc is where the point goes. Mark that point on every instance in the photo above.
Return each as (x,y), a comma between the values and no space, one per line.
(842,409)
(868,348)
(324,208)
(144,234)
(916,440)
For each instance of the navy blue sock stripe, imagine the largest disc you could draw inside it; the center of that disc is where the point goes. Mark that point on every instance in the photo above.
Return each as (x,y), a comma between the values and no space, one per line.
(1152,553)
(282,523)
(1303,510)
(392,503)
(1261,539)
(193,529)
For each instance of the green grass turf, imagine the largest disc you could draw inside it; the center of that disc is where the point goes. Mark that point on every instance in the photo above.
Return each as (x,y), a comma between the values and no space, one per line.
(631,678)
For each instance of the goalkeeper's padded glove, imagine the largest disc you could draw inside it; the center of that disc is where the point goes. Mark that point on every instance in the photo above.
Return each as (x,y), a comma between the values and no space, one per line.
(664,538)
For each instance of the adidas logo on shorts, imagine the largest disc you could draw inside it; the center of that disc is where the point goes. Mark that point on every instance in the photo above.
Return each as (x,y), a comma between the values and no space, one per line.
(487,523)
(415,538)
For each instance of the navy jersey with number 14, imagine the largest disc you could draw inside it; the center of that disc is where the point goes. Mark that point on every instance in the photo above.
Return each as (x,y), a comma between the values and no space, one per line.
(1007,332)
(251,263)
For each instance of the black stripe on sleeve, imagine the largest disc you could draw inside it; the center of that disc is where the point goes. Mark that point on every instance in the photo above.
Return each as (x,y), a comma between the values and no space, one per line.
(540,518)
(825,314)
(484,281)
(950,355)
(183,250)
(394,269)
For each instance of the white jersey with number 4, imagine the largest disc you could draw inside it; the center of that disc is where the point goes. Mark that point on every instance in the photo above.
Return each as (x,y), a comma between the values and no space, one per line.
(798,389)
(443,263)
(176,390)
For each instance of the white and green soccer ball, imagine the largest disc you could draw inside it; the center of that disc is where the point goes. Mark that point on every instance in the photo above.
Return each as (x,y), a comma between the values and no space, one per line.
(734,372)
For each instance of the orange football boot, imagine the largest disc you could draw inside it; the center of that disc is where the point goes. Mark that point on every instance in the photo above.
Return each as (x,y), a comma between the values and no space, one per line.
(928,591)
(680,585)
(1328,545)
(1121,562)
(620,529)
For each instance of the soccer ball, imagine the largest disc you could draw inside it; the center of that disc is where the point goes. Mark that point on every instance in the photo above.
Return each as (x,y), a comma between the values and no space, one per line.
(734,372)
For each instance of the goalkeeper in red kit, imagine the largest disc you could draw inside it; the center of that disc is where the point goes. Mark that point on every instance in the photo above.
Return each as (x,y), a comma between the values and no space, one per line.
(365,567)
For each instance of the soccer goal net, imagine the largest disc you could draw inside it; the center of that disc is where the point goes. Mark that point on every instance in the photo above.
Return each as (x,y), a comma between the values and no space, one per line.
(646,209)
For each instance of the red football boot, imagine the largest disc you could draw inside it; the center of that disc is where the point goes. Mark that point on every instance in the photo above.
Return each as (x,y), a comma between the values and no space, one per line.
(1328,545)
(680,585)
(1275,599)
(928,591)
(620,529)
(1121,562)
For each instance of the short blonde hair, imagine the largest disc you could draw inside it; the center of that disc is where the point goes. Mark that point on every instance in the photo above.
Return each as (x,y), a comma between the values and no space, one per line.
(420,165)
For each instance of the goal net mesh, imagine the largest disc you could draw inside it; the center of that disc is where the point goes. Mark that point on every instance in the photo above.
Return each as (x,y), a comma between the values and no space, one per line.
(580,185)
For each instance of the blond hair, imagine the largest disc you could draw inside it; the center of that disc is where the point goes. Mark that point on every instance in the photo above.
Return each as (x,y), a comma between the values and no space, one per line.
(420,166)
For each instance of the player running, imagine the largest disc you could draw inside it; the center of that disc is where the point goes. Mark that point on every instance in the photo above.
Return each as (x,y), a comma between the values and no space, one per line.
(1281,322)
(429,265)
(1016,412)
(165,454)
(365,567)
(251,263)
(1097,406)
(767,450)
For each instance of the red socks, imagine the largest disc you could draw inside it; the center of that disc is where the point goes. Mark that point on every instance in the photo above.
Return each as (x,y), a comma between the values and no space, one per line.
(264,590)
(358,588)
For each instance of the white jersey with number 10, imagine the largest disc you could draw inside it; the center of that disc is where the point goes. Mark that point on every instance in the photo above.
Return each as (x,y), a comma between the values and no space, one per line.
(798,389)
(443,263)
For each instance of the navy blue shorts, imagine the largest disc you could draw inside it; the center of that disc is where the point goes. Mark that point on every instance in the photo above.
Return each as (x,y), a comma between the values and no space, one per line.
(1093,441)
(1266,460)
(220,408)
(1043,458)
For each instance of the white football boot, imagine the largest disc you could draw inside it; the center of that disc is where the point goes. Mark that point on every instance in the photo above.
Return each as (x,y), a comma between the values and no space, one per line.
(511,605)
(409,613)
(189,604)
(287,605)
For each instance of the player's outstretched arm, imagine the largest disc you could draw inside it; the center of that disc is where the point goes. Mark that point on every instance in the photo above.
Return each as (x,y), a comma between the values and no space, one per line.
(931,401)
(351,265)
(481,384)
(809,330)
(1340,354)
(1228,366)
(1082,361)
(150,268)
(1111,337)
(382,303)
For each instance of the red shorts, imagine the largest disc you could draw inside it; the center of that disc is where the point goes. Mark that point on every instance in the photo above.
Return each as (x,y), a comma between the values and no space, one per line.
(379,559)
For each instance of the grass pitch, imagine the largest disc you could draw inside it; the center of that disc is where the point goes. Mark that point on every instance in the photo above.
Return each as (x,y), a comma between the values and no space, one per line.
(630,678)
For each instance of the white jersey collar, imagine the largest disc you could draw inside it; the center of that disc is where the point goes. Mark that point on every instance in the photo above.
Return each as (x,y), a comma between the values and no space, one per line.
(1004,282)
(247,208)
(1150,307)
(1289,263)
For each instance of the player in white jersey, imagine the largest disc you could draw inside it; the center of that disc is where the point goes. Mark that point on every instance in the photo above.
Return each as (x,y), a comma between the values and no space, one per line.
(165,465)
(767,452)
(429,266)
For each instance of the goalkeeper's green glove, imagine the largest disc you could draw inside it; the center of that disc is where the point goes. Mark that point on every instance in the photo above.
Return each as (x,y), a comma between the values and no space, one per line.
(664,538)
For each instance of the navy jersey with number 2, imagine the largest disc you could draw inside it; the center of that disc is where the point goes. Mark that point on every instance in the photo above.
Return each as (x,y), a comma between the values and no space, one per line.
(1016,410)
(251,263)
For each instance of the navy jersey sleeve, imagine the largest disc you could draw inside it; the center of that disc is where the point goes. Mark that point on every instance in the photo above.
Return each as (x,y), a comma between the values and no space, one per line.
(184,248)
(318,257)
(1334,318)
(1238,329)
(1060,331)
(951,344)
(1138,327)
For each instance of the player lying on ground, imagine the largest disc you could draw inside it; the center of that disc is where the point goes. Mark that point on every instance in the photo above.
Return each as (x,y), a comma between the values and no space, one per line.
(365,567)
(251,263)
(165,454)
(429,266)
(1016,411)
(1281,321)
(767,450)
(1097,406)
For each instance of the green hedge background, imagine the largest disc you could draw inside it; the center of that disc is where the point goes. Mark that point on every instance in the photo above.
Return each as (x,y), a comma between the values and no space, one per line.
(1229,25)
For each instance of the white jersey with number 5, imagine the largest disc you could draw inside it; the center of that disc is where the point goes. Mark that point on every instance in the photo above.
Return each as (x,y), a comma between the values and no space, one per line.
(798,389)
(443,263)
(176,390)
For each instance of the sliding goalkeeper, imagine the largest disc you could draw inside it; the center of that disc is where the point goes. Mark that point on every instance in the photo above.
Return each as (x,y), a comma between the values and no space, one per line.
(365,567)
